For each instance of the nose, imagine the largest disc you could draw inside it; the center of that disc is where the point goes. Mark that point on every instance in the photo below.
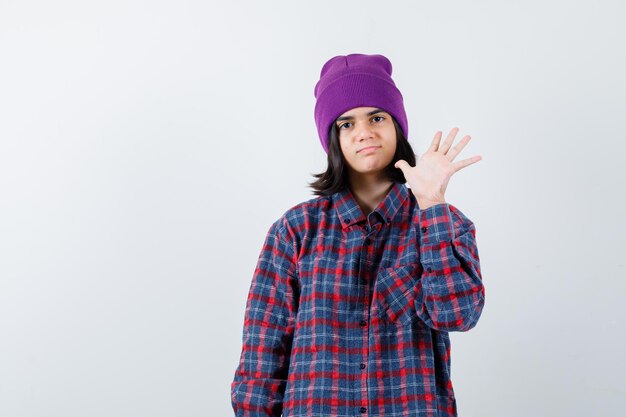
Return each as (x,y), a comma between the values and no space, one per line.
(363,131)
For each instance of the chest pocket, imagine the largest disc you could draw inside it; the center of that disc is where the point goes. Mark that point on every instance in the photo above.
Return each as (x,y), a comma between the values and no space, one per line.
(395,292)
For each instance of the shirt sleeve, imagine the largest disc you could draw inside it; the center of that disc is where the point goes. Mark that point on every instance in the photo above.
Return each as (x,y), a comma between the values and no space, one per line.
(260,379)
(450,295)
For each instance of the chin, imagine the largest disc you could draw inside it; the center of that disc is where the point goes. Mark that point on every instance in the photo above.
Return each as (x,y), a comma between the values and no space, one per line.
(370,170)
(373,168)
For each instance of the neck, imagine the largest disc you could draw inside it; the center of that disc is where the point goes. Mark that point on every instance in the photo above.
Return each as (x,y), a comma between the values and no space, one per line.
(369,190)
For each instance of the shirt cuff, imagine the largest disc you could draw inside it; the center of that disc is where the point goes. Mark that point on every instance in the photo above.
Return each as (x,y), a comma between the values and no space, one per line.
(435,224)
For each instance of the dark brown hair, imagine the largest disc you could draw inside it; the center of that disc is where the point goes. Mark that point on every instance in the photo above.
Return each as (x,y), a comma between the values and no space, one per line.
(336,176)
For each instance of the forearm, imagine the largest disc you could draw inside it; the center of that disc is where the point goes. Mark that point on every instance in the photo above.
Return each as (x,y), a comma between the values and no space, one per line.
(452,292)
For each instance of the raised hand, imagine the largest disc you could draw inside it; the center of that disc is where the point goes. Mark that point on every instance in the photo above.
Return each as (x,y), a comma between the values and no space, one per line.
(430,176)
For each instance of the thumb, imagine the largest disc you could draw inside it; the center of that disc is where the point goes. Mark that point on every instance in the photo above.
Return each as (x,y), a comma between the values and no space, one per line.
(401,164)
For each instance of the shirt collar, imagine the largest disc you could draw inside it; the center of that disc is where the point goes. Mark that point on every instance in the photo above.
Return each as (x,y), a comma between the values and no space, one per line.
(350,212)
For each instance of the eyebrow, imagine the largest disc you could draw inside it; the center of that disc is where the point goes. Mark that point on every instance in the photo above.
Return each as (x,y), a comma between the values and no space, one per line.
(369,114)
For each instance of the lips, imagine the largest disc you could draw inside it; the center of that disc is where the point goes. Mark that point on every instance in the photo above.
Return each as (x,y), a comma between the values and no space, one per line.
(368,148)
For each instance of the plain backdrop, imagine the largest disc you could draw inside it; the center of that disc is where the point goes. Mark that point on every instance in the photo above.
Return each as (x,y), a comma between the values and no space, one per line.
(147,146)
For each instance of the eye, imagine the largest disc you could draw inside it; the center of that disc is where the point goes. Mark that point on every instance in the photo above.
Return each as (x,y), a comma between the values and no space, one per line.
(378,117)
(343,124)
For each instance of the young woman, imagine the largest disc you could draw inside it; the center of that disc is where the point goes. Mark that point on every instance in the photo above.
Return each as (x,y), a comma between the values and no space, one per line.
(355,290)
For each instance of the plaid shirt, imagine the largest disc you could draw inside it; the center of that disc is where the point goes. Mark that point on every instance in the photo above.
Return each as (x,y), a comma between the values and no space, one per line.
(348,315)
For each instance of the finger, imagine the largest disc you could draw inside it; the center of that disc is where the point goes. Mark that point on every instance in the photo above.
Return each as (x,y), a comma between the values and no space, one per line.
(402,164)
(466,162)
(448,142)
(458,147)
(434,145)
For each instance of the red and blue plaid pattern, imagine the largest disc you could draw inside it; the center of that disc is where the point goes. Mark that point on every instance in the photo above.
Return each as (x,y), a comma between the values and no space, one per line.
(348,315)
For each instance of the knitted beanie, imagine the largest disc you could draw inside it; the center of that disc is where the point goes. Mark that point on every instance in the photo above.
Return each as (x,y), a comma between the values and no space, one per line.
(356,80)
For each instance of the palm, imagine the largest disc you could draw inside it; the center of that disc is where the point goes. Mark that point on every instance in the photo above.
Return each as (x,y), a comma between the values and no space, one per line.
(431,176)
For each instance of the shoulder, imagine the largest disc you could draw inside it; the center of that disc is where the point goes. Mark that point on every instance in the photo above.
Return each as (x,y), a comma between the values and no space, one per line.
(297,219)
(299,215)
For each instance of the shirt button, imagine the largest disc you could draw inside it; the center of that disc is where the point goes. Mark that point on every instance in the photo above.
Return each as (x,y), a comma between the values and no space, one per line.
(363,409)
(363,323)
(347,220)
(362,366)
(367,240)
(424,229)
(429,269)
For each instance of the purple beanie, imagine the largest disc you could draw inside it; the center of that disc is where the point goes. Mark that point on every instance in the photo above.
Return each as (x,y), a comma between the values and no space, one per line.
(356,80)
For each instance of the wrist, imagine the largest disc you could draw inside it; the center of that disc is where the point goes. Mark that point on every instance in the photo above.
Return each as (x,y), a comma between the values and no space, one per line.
(424,204)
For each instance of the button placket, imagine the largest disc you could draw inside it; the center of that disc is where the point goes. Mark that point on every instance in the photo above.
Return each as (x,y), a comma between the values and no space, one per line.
(368,241)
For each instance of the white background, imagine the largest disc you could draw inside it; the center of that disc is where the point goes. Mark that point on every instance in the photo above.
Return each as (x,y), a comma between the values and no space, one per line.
(147,146)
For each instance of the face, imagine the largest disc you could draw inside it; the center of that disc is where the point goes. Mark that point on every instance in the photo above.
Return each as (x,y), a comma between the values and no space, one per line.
(367,138)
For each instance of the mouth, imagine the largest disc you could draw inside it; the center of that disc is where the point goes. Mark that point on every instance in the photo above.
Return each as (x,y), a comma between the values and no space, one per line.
(368,148)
